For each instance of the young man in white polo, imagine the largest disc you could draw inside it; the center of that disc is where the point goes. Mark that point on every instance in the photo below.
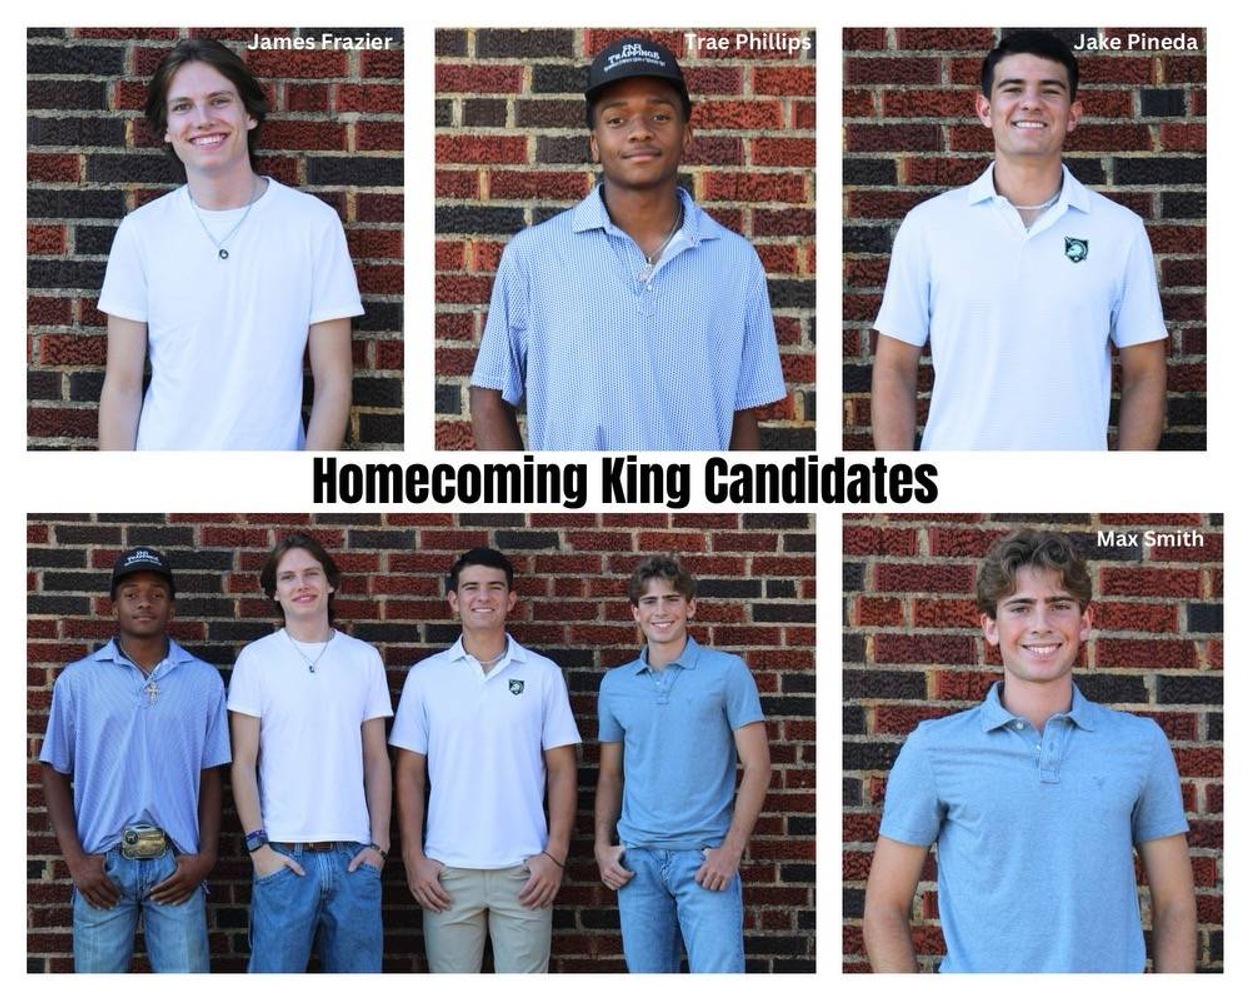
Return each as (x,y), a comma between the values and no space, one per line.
(487,725)
(1020,283)
(311,774)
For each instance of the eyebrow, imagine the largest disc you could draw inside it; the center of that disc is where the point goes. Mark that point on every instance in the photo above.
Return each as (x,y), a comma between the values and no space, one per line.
(186,97)
(1049,81)
(1032,600)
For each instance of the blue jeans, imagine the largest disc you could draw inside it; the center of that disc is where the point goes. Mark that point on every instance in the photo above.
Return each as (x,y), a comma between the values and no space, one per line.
(662,905)
(339,909)
(176,935)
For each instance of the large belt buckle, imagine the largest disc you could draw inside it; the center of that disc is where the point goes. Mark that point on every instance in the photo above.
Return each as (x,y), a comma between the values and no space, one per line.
(143,842)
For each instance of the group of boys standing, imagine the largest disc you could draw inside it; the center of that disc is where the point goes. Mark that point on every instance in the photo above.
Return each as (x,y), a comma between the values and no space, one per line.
(138,732)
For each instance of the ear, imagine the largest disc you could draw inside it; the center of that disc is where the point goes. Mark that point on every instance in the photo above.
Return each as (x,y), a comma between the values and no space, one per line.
(594,148)
(989,628)
(167,138)
(983,110)
(634,609)
(511,599)
(454,602)
(1074,115)
(687,140)
(1087,622)
(690,607)
(251,124)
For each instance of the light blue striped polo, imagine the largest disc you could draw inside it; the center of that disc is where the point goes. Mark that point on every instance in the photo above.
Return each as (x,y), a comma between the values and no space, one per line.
(606,359)
(136,744)
(1035,832)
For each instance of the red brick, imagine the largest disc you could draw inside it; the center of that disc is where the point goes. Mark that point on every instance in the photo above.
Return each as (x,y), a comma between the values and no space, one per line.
(716,151)
(449,255)
(926,578)
(454,360)
(776,152)
(308,97)
(936,648)
(863,38)
(858,104)
(894,70)
(673,541)
(1117,69)
(754,186)
(453,326)
(482,78)
(979,40)
(1141,617)
(379,208)
(380,243)
(927,103)
(1175,135)
(877,204)
(461,289)
(485,256)
(803,115)
(1149,582)
(1145,654)
(304,65)
(963,685)
(476,149)
(786,81)
(745,114)
(1106,104)
(1184,69)
(902,719)
(705,80)
(554,185)
(783,566)
(379,135)
(784,222)
(389,355)
(304,135)
(60,421)
(860,307)
(383,64)
(45,240)
(891,138)
(49,312)
(379,279)
(72,350)
(373,98)
(1199,762)
(950,614)
(456,184)
(778,259)
(53,167)
(942,171)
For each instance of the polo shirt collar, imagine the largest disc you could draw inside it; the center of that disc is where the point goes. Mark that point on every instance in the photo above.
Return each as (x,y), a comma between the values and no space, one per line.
(688,659)
(994,715)
(591,213)
(111,652)
(513,650)
(1074,193)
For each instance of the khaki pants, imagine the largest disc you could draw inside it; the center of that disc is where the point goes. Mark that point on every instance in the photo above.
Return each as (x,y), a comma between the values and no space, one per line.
(480,899)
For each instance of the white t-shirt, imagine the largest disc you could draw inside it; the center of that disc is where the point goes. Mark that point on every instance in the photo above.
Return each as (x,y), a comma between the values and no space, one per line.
(226,338)
(312,784)
(1020,322)
(483,735)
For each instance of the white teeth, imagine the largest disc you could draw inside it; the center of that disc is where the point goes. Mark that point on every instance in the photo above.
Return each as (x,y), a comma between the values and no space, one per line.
(1030,125)
(1042,650)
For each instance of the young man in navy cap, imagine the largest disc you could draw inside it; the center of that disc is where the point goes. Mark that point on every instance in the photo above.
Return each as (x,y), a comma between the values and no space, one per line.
(140,728)
(632,321)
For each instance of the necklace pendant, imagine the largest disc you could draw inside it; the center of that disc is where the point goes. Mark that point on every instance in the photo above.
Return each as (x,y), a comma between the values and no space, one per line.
(151,691)
(645,273)
(223,253)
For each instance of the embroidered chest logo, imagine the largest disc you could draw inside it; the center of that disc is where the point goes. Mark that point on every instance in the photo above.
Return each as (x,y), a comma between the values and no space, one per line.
(516,687)
(1075,250)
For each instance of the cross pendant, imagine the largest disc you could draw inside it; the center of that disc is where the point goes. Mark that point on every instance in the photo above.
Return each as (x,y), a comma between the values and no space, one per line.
(151,691)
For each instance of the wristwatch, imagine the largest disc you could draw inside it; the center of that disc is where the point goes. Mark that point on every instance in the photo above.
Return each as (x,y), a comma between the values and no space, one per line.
(255,840)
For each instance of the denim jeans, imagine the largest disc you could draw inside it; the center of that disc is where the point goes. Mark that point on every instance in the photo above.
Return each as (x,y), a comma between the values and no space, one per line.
(662,905)
(176,935)
(340,910)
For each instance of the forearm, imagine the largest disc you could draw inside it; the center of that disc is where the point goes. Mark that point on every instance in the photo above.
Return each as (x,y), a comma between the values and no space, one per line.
(887,939)
(495,425)
(327,422)
(1175,937)
(378,800)
(561,809)
(120,404)
(410,804)
(745,435)
(1142,404)
(59,799)
(751,793)
(607,808)
(246,794)
(210,811)
(893,410)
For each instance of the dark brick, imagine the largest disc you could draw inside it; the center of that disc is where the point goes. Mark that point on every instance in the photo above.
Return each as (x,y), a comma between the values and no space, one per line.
(75,60)
(729,588)
(792,293)
(79,95)
(1115,689)
(869,170)
(1162,103)
(870,756)
(485,111)
(1159,170)
(478,219)
(75,131)
(496,43)
(1205,618)
(384,632)
(852,576)
(361,171)
(381,316)
(791,707)
(43,385)
(1187,411)
(550,114)
(766,522)
(443,113)
(895,685)
(856,378)
(65,274)
(787,438)
(42,604)
(378,391)
(854,720)
(131,167)
(405,541)
(382,428)
(563,149)
(1190,690)
(1184,204)
(852,792)
(852,902)
(554,78)
(798,543)
(800,826)
(1215,726)
(84,387)
(527,540)
(93,240)
(780,589)
(867,239)
(448,42)
(72,204)
(798,683)
(447,399)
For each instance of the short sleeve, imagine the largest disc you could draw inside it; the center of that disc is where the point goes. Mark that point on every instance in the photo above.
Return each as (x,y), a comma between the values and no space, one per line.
(1159,811)
(913,812)
(559,727)
(245,694)
(502,356)
(125,290)
(759,380)
(217,741)
(1138,316)
(411,731)
(334,289)
(904,313)
(742,700)
(58,740)
(378,705)
(610,728)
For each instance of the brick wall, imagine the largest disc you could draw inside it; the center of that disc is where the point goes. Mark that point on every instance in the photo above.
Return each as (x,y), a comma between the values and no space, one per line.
(757,590)
(911,133)
(336,131)
(511,150)
(913,650)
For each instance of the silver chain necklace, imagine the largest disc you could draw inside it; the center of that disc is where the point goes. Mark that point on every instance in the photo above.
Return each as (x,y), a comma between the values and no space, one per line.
(654,256)
(312,664)
(222,252)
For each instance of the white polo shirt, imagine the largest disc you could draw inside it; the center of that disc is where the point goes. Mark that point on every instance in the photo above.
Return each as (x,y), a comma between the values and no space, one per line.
(1020,322)
(483,736)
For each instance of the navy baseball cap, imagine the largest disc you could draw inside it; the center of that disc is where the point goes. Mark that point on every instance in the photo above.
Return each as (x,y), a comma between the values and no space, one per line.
(630,57)
(141,560)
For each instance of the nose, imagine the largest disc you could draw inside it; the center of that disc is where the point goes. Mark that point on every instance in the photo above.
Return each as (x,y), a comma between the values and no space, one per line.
(640,127)
(200,114)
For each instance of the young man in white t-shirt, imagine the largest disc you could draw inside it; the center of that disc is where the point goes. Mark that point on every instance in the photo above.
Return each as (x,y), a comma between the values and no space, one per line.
(312,778)
(487,723)
(223,283)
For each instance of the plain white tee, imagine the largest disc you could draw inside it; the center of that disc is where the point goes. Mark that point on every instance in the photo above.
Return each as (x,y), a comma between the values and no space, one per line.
(312,781)
(226,338)
(483,736)
(1020,322)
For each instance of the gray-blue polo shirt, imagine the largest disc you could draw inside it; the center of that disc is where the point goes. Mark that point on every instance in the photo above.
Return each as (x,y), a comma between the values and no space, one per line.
(136,744)
(679,755)
(1035,832)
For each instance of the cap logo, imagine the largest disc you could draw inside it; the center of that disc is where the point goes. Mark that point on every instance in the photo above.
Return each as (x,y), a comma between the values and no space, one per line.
(633,52)
(141,556)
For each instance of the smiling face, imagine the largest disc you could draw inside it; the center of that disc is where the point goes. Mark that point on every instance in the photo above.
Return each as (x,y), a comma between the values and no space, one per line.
(302,589)
(1030,109)
(482,599)
(143,606)
(1038,628)
(640,134)
(663,613)
(207,124)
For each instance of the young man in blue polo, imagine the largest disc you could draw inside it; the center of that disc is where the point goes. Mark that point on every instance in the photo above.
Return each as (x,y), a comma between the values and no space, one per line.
(1036,800)
(139,728)
(633,321)
(1019,284)
(669,831)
